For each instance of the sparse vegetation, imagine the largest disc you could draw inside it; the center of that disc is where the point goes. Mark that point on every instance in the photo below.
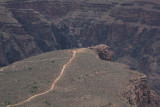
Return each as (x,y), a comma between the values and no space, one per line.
(131,72)
(48,81)
(47,102)
(86,75)
(72,79)
(79,77)
(132,32)
(34,82)
(35,87)
(2,103)
(33,91)
(7,103)
(29,68)
(114,79)
(131,80)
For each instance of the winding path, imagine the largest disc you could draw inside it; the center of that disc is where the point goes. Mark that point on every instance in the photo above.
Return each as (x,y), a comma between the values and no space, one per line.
(53,85)
(1,69)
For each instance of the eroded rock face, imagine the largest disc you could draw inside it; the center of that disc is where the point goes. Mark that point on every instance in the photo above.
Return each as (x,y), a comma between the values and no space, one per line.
(141,95)
(103,52)
(15,48)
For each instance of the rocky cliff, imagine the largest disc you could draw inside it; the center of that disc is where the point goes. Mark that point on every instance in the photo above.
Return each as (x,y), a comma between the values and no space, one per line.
(102,52)
(130,28)
(140,94)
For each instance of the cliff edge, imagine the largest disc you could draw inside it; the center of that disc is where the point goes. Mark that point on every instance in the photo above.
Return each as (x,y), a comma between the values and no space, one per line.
(72,78)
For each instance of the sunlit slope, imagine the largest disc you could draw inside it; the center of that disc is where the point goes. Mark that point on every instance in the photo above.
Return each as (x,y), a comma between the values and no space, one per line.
(31,76)
(86,81)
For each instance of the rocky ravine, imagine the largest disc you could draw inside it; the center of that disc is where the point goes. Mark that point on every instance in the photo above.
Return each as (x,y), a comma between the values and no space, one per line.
(130,28)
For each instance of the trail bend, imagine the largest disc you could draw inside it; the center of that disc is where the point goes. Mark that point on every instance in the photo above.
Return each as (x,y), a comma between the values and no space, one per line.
(53,85)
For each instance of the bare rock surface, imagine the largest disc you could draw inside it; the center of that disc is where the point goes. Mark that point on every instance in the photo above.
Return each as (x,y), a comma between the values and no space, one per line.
(103,52)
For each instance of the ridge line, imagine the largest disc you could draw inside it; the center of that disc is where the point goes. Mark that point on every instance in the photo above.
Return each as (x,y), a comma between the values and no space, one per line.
(53,85)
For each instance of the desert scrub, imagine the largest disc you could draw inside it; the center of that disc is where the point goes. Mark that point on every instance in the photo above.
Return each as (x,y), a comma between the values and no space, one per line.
(18,80)
(33,91)
(46,102)
(35,87)
(2,103)
(30,68)
(86,75)
(6,103)
(34,82)
(48,81)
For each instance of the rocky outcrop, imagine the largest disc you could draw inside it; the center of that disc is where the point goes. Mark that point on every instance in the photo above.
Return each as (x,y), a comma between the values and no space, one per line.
(103,52)
(141,95)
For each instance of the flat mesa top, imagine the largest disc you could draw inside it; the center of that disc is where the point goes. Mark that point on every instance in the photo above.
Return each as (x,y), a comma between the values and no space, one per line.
(80,78)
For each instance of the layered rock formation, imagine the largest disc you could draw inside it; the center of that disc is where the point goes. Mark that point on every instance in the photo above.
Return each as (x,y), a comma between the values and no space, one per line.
(130,28)
(141,95)
(103,52)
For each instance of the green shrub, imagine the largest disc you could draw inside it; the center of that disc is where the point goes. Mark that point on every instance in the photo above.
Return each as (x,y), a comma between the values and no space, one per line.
(32,91)
(30,68)
(34,87)
(46,102)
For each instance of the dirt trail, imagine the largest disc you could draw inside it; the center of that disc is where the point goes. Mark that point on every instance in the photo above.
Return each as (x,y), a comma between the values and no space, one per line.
(2,69)
(53,85)
(13,65)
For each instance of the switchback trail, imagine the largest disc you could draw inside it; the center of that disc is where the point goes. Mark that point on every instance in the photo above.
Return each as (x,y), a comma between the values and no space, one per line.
(53,85)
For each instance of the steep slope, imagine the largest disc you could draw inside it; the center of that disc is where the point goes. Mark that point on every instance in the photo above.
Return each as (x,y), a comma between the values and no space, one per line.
(130,27)
(15,43)
(73,78)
